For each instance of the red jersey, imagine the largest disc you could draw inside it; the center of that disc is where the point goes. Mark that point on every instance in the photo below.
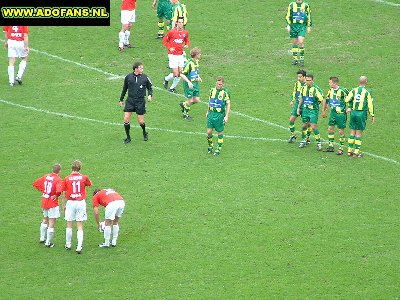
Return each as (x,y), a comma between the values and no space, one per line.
(48,186)
(176,39)
(15,32)
(104,197)
(128,4)
(75,185)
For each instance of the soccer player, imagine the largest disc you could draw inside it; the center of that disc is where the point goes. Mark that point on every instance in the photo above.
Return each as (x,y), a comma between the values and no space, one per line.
(47,185)
(190,74)
(136,84)
(17,43)
(175,41)
(360,102)
(219,107)
(164,13)
(74,203)
(294,103)
(128,17)
(299,22)
(338,117)
(310,98)
(179,10)
(114,207)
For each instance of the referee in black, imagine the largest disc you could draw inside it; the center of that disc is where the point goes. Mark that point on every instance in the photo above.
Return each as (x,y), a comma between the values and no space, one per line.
(136,84)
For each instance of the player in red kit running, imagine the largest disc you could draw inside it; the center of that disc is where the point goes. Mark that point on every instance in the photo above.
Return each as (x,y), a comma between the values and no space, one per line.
(128,17)
(47,185)
(114,207)
(16,38)
(175,41)
(74,188)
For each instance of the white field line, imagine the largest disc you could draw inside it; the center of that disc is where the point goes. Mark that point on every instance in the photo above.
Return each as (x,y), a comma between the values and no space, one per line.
(114,76)
(165,129)
(64,115)
(387,3)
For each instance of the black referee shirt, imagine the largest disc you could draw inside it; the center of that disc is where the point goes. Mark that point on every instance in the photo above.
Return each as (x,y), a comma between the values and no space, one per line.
(136,86)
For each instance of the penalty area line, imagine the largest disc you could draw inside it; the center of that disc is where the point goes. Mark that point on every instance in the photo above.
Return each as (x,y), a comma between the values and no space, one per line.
(165,129)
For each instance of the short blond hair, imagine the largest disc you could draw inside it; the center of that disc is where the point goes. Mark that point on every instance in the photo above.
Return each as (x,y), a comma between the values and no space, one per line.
(76,166)
(221,78)
(195,51)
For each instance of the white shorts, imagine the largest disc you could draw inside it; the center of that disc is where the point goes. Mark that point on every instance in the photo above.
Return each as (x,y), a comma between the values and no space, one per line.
(52,213)
(75,211)
(16,49)
(115,208)
(176,61)
(128,16)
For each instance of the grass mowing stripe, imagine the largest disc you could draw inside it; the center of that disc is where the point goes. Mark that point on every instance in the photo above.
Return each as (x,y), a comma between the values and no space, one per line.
(166,129)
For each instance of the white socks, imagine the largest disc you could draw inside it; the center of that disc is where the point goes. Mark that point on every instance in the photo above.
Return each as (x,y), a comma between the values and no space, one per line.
(11,79)
(121,39)
(107,235)
(43,229)
(21,69)
(175,82)
(127,35)
(50,236)
(169,77)
(68,237)
(79,235)
(115,234)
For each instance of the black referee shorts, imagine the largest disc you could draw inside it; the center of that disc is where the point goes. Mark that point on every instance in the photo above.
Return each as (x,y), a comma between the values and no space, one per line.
(138,106)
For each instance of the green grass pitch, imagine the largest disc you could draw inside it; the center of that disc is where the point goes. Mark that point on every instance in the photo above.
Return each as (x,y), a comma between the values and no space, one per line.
(265,220)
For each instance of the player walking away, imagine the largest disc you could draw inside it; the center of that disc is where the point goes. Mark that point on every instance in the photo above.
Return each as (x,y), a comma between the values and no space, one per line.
(310,98)
(338,117)
(294,103)
(74,203)
(299,22)
(128,17)
(179,10)
(114,207)
(175,41)
(191,76)
(219,107)
(47,185)
(136,84)
(360,102)
(164,14)
(17,43)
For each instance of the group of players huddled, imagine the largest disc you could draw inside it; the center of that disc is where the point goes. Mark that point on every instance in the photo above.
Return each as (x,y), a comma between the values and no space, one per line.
(307,96)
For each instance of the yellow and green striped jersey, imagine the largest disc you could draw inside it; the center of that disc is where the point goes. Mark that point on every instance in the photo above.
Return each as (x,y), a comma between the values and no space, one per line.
(360,99)
(178,11)
(299,14)
(218,99)
(296,90)
(335,98)
(191,70)
(312,96)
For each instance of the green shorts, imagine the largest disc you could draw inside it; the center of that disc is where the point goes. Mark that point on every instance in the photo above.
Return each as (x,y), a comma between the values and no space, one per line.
(338,119)
(294,109)
(164,10)
(190,93)
(309,115)
(297,30)
(215,120)
(358,119)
